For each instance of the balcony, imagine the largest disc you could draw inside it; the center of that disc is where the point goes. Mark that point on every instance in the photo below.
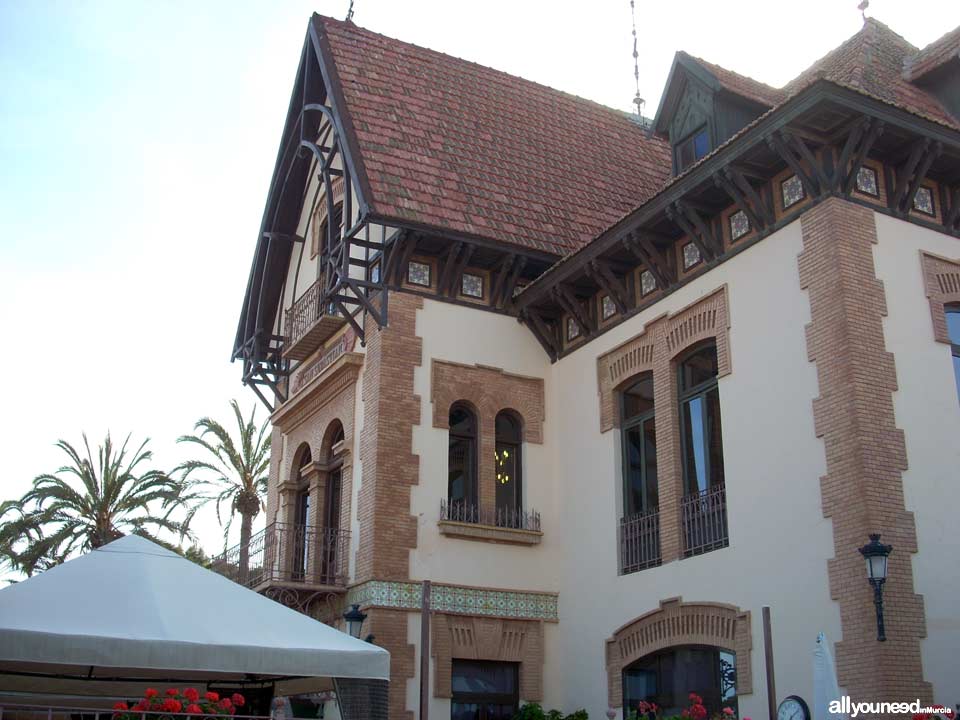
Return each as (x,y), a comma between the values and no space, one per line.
(639,542)
(289,555)
(513,526)
(309,324)
(704,521)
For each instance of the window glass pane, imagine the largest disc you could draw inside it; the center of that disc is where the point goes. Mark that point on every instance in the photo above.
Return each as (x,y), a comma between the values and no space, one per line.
(460,479)
(650,464)
(685,157)
(464,711)
(638,398)
(956,373)
(508,478)
(701,144)
(953,325)
(699,367)
(461,421)
(507,427)
(716,436)
(695,444)
(668,677)
(634,469)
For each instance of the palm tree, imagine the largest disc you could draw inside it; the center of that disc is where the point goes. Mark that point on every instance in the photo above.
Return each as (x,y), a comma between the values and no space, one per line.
(238,471)
(87,504)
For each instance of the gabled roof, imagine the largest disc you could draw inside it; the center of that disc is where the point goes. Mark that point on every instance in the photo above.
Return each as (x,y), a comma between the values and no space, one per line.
(741,85)
(933,56)
(873,61)
(454,145)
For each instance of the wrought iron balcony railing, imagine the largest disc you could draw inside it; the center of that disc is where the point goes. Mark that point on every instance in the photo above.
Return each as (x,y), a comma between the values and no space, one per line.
(501,517)
(704,521)
(288,553)
(309,323)
(639,542)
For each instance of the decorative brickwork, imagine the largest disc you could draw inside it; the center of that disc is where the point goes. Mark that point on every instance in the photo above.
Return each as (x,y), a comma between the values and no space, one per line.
(656,349)
(678,623)
(862,491)
(476,638)
(389,628)
(942,279)
(489,390)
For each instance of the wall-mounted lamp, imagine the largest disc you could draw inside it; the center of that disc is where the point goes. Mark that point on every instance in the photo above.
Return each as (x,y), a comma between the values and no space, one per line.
(876,553)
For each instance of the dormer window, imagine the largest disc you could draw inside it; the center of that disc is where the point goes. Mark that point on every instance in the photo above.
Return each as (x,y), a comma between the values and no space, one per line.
(691,149)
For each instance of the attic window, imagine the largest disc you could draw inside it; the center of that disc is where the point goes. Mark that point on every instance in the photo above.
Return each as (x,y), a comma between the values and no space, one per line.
(691,149)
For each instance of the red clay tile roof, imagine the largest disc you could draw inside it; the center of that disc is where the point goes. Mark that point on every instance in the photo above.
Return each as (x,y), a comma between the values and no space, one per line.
(742,85)
(873,61)
(458,146)
(933,55)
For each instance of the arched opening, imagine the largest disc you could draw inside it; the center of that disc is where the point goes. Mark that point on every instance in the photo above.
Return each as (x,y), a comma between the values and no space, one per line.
(302,513)
(640,524)
(509,469)
(462,464)
(667,678)
(330,541)
(701,441)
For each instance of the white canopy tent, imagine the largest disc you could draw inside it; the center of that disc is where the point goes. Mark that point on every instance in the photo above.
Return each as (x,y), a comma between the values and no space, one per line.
(133,611)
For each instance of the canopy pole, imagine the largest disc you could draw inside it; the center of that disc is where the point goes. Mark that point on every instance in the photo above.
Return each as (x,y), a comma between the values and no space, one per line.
(425,652)
(768,663)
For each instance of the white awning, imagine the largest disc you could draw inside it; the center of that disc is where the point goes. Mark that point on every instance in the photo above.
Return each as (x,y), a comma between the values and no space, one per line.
(133,609)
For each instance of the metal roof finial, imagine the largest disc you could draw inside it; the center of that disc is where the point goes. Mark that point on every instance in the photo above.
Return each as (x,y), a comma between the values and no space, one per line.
(350,12)
(862,7)
(637,99)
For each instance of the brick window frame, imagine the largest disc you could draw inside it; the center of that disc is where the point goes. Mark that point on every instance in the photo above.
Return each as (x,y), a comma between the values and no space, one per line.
(680,623)
(941,279)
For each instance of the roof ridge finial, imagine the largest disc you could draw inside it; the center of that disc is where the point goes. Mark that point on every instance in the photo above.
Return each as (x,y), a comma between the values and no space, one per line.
(862,7)
(637,99)
(349,17)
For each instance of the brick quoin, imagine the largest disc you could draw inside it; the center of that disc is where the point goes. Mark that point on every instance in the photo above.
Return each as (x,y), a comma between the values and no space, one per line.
(862,491)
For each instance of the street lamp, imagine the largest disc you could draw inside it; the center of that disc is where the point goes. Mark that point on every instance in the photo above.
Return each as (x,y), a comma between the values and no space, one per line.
(876,553)
(354,619)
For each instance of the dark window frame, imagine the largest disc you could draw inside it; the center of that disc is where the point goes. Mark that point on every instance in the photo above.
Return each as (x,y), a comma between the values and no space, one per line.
(690,140)
(626,425)
(721,680)
(484,699)
(471,493)
(684,396)
(516,445)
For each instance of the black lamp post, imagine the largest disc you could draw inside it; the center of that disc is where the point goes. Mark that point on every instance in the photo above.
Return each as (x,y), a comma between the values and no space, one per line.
(876,553)
(354,619)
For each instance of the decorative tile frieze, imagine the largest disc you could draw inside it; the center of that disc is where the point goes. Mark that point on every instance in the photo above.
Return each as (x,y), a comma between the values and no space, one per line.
(472,285)
(648,283)
(792,191)
(607,308)
(418,273)
(867,181)
(739,225)
(691,255)
(923,201)
(457,599)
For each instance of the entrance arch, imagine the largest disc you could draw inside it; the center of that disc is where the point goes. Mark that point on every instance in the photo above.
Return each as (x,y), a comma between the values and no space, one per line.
(676,623)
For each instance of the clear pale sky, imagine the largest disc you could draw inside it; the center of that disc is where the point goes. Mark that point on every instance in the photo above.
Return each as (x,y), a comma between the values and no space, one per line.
(136,145)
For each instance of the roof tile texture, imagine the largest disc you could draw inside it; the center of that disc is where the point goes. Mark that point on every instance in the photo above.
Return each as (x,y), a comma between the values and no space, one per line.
(453,144)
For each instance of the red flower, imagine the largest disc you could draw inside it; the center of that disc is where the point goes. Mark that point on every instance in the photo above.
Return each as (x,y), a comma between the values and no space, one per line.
(171,705)
(120,706)
(193,708)
(728,711)
(698,712)
(695,699)
(225,704)
(212,696)
(238,700)
(191,694)
(173,692)
(142,705)
(151,693)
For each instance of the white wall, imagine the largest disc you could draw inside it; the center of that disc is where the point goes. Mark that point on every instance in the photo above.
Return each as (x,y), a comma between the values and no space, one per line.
(773,463)
(928,412)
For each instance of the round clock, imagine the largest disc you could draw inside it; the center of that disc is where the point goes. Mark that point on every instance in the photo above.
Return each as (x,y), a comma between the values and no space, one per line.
(793,707)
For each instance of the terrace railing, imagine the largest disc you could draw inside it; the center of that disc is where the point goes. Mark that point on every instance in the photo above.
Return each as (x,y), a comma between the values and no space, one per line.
(502,517)
(288,553)
(308,323)
(639,542)
(704,521)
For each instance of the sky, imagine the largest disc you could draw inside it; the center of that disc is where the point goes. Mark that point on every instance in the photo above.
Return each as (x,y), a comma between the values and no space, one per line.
(137,141)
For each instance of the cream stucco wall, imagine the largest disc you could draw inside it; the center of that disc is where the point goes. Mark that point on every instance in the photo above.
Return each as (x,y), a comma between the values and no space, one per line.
(928,412)
(773,463)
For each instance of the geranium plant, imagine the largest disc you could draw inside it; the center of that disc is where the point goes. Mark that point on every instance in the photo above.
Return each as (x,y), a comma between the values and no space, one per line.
(696,710)
(174,700)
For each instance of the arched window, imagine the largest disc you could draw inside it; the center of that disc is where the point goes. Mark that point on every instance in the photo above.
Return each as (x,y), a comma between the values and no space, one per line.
(462,463)
(302,517)
(639,434)
(668,677)
(953,331)
(509,437)
(704,502)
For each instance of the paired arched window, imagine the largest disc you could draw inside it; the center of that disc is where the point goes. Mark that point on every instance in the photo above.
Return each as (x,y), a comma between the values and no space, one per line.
(302,517)
(462,458)
(509,444)
(639,441)
(701,433)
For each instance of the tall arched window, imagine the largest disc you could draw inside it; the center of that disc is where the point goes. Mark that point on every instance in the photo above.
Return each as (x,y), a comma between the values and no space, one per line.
(639,527)
(704,503)
(953,331)
(509,437)
(462,464)
(302,518)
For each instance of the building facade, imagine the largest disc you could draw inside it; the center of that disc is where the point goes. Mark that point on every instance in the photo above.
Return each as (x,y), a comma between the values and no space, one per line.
(613,386)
